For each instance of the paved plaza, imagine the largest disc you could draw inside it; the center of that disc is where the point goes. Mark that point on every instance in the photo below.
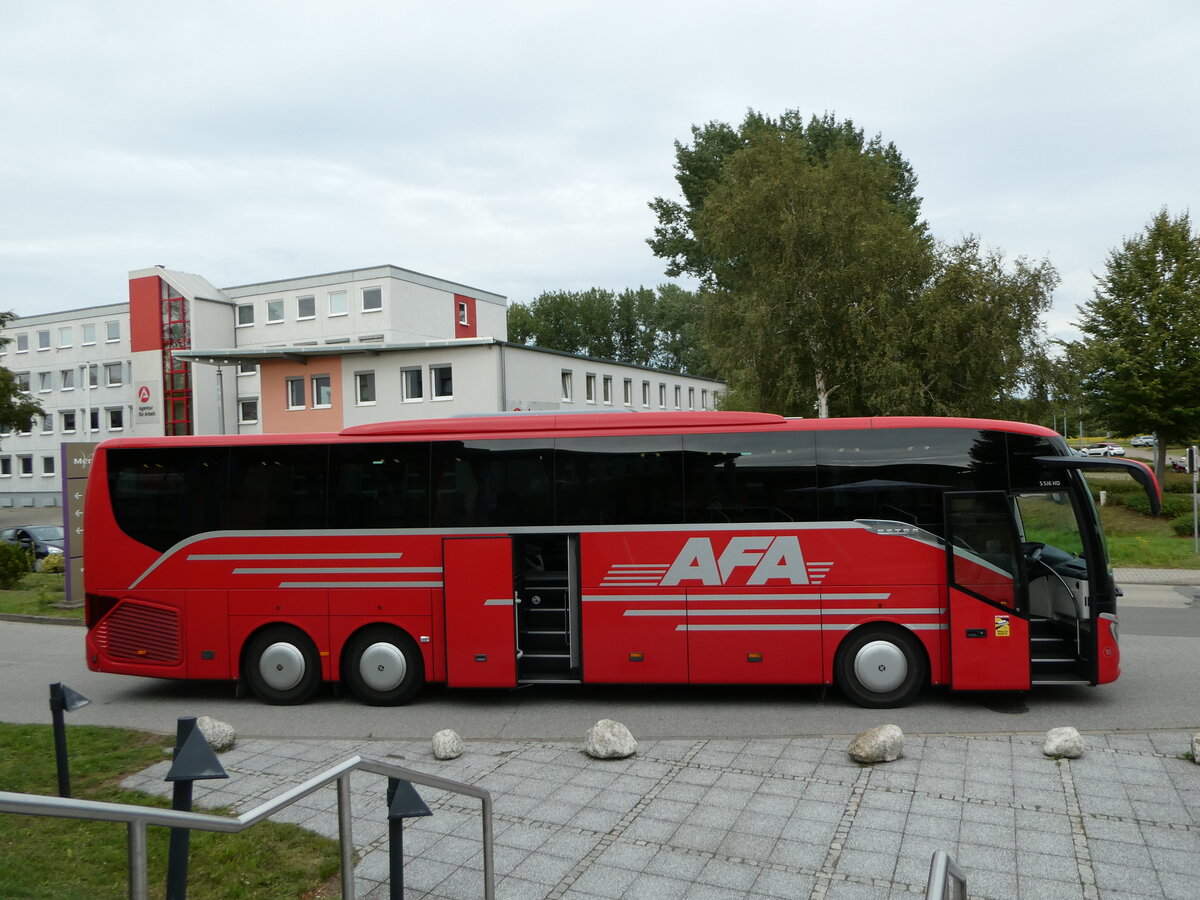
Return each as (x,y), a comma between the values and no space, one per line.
(777,818)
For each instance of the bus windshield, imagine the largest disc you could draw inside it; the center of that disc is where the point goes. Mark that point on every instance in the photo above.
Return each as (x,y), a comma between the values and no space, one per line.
(1049,518)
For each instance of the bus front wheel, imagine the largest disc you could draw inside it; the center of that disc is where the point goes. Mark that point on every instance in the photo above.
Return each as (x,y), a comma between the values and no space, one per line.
(383,666)
(880,667)
(282,666)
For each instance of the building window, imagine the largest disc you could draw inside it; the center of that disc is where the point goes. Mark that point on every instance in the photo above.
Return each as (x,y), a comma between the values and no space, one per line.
(274,312)
(88,334)
(678,396)
(66,422)
(92,376)
(691,398)
(94,420)
(6,466)
(410,385)
(247,412)
(372,299)
(43,340)
(566,386)
(112,374)
(463,313)
(116,419)
(48,424)
(322,392)
(306,307)
(22,343)
(66,337)
(646,393)
(112,332)
(66,378)
(245,314)
(704,398)
(45,382)
(247,368)
(662,396)
(47,465)
(23,381)
(629,392)
(364,388)
(607,388)
(26,464)
(589,388)
(337,303)
(443,382)
(295,393)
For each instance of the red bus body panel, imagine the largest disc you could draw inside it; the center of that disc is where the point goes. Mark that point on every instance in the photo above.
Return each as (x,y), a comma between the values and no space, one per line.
(989,646)
(481,638)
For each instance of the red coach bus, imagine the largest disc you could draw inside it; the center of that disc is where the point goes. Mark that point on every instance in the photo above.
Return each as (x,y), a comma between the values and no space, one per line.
(879,555)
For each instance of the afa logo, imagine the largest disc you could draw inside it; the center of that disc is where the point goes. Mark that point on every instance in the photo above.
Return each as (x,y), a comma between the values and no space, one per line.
(770,559)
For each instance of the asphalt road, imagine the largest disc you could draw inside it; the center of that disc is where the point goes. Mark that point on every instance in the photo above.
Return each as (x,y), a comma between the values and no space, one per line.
(1160,643)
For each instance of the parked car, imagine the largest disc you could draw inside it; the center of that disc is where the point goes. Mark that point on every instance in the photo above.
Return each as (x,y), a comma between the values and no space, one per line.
(41,540)
(1104,449)
(1146,440)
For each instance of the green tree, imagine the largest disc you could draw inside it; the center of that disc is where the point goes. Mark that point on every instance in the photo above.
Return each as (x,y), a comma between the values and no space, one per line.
(971,342)
(823,289)
(639,326)
(809,245)
(17,407)
(1140,353)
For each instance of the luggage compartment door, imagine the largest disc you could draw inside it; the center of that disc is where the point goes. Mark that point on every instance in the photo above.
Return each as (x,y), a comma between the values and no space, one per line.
(481,647)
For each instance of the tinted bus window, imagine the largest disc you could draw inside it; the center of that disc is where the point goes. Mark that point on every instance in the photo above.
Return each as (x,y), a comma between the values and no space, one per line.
(619,480)
(750,477)
(903,473)
(1024,473)
(503,483)
(277,488)
(162,496)
(379,486)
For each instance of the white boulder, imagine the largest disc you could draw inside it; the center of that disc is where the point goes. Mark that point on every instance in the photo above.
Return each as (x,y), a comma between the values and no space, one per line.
(1196,748)
(1064,741)
(220,735)
(609,740)
(447,745)
(883,743)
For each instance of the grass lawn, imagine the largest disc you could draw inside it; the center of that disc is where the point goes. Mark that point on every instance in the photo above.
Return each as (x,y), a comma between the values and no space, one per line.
(66,859)
(39,594)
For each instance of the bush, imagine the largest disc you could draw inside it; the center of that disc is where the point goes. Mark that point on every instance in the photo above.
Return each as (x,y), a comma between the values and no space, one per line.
(54,563)
(14,565)
(1182,525)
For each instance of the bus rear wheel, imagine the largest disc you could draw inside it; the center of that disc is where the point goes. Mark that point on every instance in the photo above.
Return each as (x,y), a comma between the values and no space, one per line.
(880,667)
(383,666)
(282,666)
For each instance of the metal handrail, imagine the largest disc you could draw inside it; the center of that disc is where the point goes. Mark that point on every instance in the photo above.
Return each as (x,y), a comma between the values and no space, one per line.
(138,817)
(946,880)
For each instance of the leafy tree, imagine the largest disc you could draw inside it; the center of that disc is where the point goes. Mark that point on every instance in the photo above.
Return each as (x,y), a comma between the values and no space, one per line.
(1141,348)
(823,289)
(17,408)
(639,326)
(810,246)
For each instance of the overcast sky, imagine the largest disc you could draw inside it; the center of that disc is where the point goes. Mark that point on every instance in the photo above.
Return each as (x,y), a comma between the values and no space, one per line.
(514,146)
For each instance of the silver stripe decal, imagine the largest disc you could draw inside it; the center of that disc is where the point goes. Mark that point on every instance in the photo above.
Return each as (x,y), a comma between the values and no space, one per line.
(723,612)
(339,570)
(253,556)
(499,601)
(632,598)
(915,611)
(756,598)
(360,584)
(747,627)
(833,626)
(649,567)
(837,597)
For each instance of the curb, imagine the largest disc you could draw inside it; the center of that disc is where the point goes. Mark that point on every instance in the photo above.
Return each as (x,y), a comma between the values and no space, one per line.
(40,620)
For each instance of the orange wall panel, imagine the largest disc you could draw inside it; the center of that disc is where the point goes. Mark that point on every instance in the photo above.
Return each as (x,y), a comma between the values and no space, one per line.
(277,418)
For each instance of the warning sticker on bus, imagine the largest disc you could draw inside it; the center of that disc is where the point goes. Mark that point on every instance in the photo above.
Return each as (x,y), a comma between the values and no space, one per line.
(1002,627)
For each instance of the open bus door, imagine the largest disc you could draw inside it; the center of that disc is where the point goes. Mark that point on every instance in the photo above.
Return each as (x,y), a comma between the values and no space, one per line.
(989,626)
(481,643)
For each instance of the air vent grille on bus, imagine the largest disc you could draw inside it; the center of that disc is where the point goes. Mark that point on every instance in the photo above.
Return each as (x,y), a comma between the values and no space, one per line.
(140,633)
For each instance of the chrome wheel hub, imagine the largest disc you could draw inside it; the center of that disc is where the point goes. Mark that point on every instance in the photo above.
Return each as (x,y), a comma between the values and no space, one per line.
(880,666)
(382,666)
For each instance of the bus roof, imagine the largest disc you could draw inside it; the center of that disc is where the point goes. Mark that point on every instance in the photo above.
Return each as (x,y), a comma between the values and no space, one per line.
(584,424)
